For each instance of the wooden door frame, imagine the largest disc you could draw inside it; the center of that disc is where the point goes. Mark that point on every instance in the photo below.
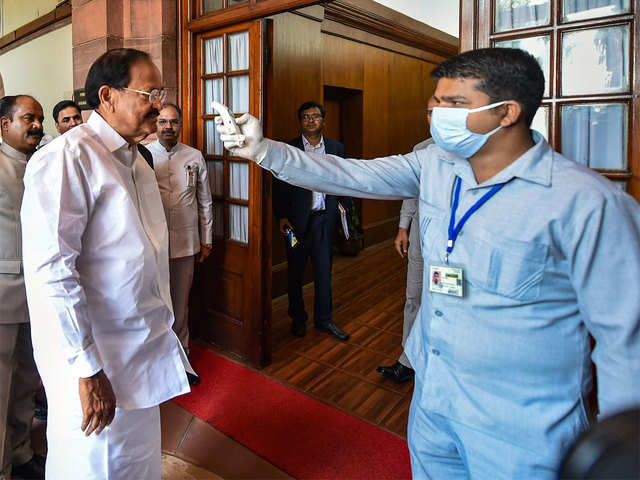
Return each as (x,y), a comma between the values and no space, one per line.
(475,31)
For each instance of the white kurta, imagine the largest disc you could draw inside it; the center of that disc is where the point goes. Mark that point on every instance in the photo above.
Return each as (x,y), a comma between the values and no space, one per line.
(97,279)
(186,196)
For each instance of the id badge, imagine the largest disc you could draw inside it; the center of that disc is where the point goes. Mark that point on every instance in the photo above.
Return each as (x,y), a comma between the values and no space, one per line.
(446,280)
(191,177)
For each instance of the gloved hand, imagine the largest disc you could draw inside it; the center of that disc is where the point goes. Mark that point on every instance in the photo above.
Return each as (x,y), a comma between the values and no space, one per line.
(255,145)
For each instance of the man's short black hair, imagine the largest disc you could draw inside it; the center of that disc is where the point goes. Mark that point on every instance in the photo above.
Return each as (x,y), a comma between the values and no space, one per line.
(504,74)
(113,69)
(307,106)
(8,105)
(175,107)
(61,106)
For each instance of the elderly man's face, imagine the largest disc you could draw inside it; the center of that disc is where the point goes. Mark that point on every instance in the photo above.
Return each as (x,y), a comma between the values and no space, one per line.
(24,131)
(134,117)
(67,119)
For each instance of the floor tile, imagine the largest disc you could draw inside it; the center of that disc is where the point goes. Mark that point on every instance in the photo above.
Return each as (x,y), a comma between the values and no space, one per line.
(208,448)
(174,421)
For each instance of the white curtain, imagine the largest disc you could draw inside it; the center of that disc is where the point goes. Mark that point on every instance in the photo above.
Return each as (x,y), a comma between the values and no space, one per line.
(513,14)
(595,135)
(581,9)
(213,55)
(215,169)
(536,46)
(239,180)
(239,51)
(239,223)
(239,93)
(214,144)
(212,91)
(540,122)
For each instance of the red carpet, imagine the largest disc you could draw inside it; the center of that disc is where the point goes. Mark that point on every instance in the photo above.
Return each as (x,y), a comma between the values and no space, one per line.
(301,436)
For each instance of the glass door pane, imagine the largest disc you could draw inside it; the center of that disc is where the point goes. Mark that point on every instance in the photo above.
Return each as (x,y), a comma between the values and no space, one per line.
(595,61)
(239,223)
(595,135)
(239,93)
(540,122)
(515,14)
(213,55)
(573,10)
(239,51)
(239,180)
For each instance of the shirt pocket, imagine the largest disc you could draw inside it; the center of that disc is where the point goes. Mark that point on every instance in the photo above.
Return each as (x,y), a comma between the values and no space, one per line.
(430,236)
(513,269)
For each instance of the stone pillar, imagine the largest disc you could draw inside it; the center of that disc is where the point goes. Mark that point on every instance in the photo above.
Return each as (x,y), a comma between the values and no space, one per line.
(148,25)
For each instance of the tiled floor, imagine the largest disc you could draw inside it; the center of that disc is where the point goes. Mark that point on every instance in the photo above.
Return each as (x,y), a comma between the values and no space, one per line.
(368,295)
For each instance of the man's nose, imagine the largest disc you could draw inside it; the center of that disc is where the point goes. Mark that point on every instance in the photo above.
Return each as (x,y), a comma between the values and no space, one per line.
(37,124)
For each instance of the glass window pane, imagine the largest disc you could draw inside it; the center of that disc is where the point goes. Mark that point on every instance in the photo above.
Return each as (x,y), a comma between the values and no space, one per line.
(212,91)
(595,134)
(218,219)
(239,180)
(514,14)
(213,55)
(595,61)
(536,46)
(239,93)
(216,177)
(582,9)
(239,223)
(239,51)
(540,122)
(213,143)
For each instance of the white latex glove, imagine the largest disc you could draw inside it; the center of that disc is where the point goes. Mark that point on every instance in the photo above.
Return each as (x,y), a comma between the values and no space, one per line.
(254,146)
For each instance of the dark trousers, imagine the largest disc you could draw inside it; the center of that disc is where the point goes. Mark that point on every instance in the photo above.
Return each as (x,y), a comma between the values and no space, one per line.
(317,243)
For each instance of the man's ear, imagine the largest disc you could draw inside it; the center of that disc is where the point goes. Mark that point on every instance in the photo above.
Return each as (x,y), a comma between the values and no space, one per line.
(514,112)
(4,124)
(107,97)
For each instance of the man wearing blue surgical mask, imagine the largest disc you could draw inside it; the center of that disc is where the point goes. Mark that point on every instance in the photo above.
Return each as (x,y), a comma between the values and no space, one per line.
(516,239)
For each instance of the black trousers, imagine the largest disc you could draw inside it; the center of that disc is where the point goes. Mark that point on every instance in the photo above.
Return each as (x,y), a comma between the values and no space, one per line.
(317,243)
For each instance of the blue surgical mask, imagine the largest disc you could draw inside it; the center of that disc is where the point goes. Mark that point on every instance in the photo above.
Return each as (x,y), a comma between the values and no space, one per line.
(449,130)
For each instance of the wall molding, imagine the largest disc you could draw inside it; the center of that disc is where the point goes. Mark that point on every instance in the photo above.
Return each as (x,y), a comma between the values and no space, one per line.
(346,13)
(56,18)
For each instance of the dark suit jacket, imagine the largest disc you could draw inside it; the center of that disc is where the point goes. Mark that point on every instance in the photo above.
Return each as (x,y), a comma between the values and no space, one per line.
(294,202)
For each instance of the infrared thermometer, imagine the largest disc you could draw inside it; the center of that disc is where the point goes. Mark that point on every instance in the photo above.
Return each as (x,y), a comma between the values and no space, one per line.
(229,121)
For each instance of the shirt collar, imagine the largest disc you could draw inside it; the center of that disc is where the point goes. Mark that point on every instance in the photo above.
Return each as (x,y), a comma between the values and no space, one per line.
(534,165)
(306,142)
(13,153)
(158,146)
(112,139)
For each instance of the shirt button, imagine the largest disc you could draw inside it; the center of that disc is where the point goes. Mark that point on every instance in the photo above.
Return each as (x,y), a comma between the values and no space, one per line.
(439,313)
(435,352)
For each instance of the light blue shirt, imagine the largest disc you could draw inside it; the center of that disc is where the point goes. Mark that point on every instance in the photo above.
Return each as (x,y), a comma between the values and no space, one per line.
(552,256)
(317,198)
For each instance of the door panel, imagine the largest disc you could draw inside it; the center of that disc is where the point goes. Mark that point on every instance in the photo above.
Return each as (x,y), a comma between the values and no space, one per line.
(230,285)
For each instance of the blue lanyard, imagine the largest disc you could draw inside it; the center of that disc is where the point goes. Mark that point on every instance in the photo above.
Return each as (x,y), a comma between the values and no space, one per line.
(454,229)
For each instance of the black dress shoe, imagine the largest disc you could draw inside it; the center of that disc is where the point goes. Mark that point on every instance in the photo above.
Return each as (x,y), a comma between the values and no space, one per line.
(334,330)
(193,379)
(396,372)
(33,469)
(298,329)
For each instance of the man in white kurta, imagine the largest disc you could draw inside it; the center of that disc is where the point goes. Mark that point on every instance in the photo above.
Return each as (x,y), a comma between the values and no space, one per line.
(186,197)
(97,280)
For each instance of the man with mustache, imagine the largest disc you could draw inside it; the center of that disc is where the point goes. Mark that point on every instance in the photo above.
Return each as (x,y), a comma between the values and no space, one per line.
(184,187)
(97,278)
(21,120)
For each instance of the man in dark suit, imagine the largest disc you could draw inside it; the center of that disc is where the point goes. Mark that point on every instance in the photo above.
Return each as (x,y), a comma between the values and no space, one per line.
(312,216)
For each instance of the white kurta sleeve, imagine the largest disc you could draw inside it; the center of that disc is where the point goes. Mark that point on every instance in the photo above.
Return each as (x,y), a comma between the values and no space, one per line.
(389,178)
(205,207)
(55,210)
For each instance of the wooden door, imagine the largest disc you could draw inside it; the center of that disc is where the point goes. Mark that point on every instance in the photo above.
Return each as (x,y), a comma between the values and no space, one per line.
(233,284)
(590,54)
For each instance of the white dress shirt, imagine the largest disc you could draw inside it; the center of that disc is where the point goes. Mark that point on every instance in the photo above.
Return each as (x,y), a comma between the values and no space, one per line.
(97,269)
(317,198)
(187,204)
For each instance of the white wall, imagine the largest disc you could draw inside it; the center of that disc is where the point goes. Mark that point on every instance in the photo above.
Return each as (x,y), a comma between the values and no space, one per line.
(441,14)
(42,68)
